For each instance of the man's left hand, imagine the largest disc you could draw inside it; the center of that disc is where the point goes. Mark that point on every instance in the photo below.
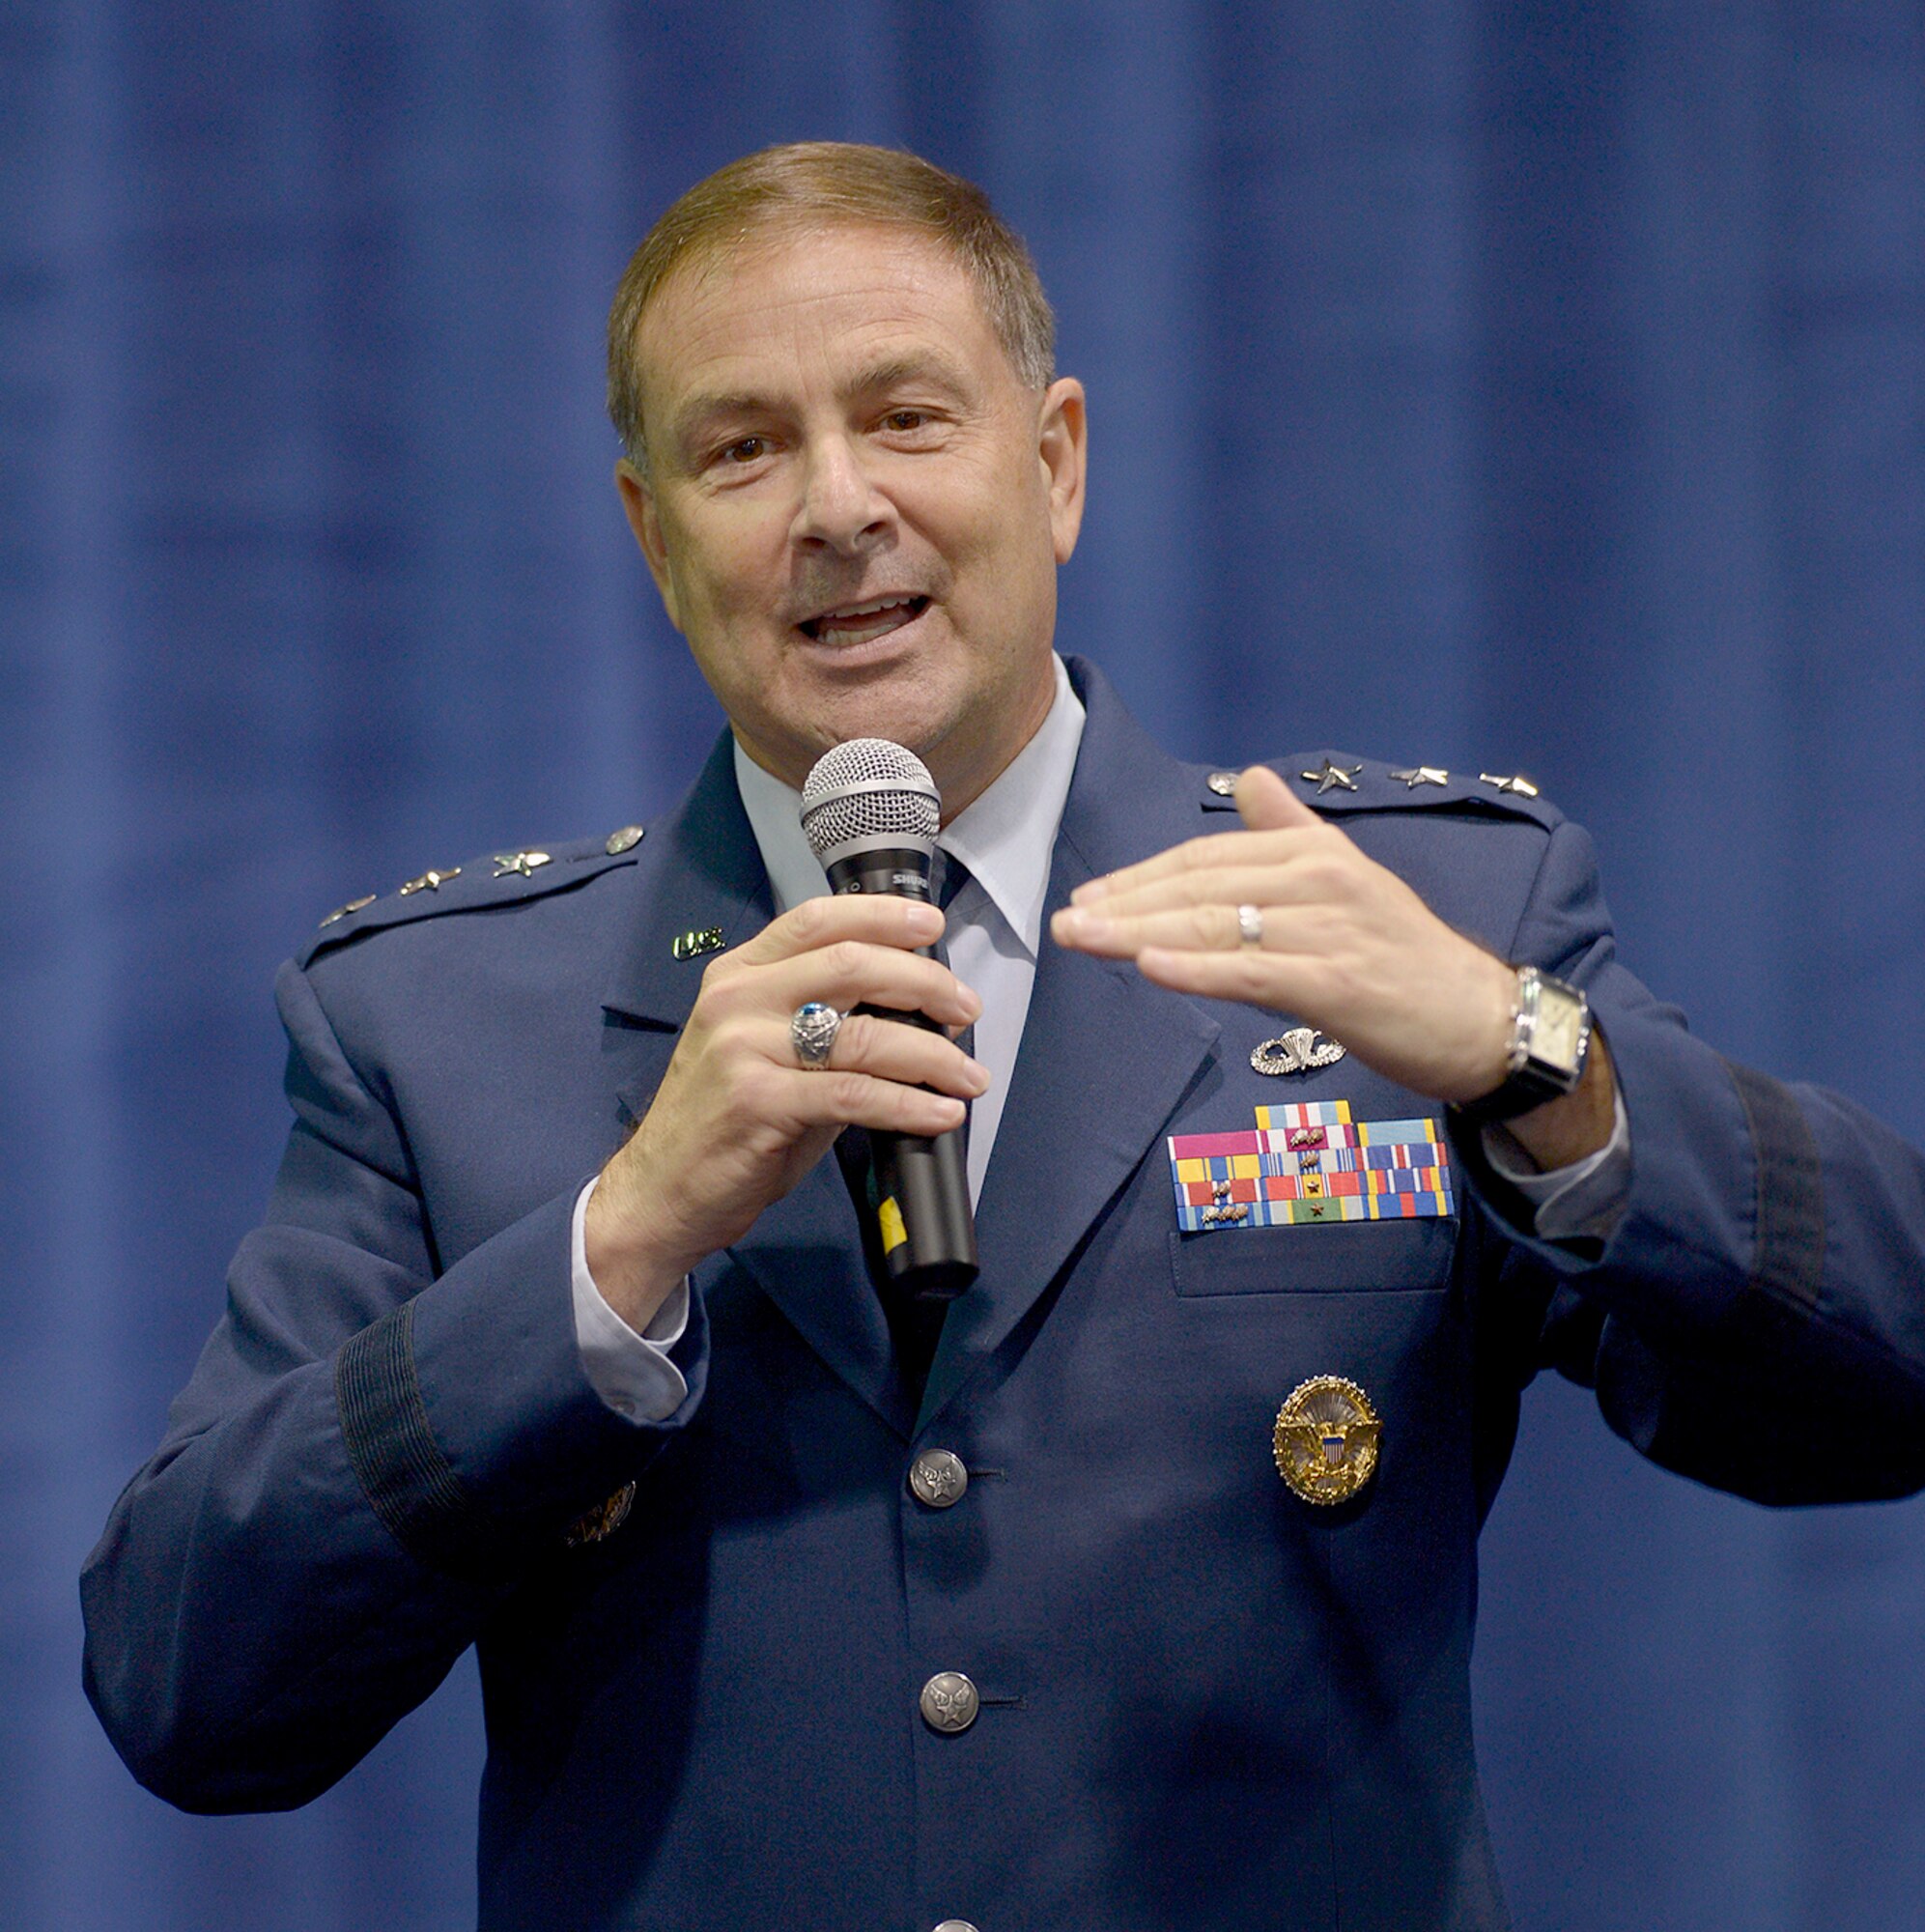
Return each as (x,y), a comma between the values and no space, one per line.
(1346,947)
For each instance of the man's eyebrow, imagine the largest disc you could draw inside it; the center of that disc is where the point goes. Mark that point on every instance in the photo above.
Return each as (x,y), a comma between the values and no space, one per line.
(702,411)
(901,369)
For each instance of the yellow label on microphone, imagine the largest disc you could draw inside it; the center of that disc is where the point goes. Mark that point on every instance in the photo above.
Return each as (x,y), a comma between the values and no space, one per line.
(894,1233)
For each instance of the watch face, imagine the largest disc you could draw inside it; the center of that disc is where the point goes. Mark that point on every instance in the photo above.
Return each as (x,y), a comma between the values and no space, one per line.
(1559,1023)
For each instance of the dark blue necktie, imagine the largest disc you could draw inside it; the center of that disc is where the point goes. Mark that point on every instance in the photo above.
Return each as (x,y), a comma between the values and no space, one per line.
(951,877)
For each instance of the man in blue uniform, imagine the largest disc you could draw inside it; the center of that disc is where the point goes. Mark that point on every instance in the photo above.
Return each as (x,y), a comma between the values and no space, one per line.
(1309,1112)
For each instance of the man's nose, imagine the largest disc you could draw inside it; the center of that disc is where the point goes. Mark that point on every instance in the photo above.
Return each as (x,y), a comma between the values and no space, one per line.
(841,507)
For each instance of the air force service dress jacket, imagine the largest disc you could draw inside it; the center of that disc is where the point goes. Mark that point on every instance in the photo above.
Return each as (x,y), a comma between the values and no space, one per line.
(1204,1701)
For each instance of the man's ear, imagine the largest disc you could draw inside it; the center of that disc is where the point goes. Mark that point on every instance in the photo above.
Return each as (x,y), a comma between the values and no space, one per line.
(1064,444)
(644,519)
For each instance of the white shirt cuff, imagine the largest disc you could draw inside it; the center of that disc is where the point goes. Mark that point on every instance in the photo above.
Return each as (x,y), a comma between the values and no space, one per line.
(1586,1199)
(631,1372)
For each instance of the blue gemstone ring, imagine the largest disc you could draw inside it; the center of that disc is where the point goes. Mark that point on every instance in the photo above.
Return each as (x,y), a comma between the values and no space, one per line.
(813,1033)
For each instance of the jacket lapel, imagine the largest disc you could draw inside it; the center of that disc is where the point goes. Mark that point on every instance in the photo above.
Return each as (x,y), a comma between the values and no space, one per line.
(702,869)
(699,869)
(1106,1057)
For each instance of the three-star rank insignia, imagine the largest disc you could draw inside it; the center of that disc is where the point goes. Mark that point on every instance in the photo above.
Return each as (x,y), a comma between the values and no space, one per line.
(1326,1439)
(429,882)
(524,862)
(1365,781)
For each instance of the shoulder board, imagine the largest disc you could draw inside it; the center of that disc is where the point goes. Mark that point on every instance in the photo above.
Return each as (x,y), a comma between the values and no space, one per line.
(495,879)
(1338,784)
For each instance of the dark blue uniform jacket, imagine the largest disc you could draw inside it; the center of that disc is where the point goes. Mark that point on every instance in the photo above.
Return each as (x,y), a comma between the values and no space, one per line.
(1206,1703)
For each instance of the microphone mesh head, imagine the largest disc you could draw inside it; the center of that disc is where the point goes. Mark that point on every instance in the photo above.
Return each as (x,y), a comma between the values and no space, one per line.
(869,793)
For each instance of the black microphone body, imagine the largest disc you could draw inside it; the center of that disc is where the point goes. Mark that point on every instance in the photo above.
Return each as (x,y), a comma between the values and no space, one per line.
(925,1231)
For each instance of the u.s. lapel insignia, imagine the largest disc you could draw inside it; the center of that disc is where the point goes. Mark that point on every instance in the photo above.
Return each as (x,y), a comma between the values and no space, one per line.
(697,941)
(1326,1439)
(1297,1051)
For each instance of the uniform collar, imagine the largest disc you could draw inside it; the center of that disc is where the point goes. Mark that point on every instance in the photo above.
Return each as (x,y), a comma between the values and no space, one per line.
(1005,838)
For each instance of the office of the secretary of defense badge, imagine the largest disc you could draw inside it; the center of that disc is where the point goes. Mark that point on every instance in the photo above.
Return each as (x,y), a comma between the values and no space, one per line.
(1326,1439)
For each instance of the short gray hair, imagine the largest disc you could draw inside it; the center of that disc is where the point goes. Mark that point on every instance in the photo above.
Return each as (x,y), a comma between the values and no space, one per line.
(808,184)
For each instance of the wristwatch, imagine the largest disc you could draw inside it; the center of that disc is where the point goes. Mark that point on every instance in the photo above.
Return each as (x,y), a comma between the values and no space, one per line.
(1550,1034)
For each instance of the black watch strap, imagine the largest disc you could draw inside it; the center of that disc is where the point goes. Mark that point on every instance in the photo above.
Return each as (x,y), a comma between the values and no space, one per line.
(1551,1036)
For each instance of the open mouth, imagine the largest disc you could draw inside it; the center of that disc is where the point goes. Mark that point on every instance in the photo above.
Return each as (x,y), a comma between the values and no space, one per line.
(858,623)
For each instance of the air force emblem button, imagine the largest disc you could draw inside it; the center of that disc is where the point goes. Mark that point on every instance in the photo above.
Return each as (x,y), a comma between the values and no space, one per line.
(1326,1439)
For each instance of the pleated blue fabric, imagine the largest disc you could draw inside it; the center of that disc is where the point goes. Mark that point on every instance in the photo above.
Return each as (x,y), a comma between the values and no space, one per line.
(1532,385)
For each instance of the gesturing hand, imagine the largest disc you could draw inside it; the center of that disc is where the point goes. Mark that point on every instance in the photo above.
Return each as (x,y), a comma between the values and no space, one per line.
(737,1120)
(1346,945)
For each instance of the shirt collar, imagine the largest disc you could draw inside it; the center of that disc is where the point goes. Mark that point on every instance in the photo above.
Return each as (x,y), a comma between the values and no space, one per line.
(1005,838)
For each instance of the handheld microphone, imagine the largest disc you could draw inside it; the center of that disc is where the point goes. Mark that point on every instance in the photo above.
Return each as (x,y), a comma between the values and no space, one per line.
(871,812)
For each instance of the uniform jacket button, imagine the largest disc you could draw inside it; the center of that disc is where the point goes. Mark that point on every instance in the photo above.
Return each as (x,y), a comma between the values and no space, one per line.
(955,1925)
(938,1478)
(949,1702)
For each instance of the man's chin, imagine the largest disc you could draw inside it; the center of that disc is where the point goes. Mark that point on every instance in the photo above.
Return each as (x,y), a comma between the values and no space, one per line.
(904,717)
(923,699)
(902,697)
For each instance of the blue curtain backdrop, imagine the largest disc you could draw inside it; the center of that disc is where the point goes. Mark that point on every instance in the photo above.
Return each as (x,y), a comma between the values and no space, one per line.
(1531,386)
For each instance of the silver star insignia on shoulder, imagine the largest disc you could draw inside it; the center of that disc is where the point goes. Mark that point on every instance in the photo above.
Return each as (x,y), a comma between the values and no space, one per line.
(429,882)
(1342,775)
(1422,775)
(524,862)
(1519,785)
(353,905)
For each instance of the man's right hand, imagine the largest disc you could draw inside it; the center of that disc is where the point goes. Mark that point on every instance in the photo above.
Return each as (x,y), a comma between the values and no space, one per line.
(737,1121)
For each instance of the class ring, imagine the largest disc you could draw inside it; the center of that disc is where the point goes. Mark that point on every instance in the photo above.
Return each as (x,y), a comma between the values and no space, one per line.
(813,1031)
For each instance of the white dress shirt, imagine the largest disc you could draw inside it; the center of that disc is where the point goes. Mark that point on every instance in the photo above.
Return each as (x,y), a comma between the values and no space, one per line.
(1007,839)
